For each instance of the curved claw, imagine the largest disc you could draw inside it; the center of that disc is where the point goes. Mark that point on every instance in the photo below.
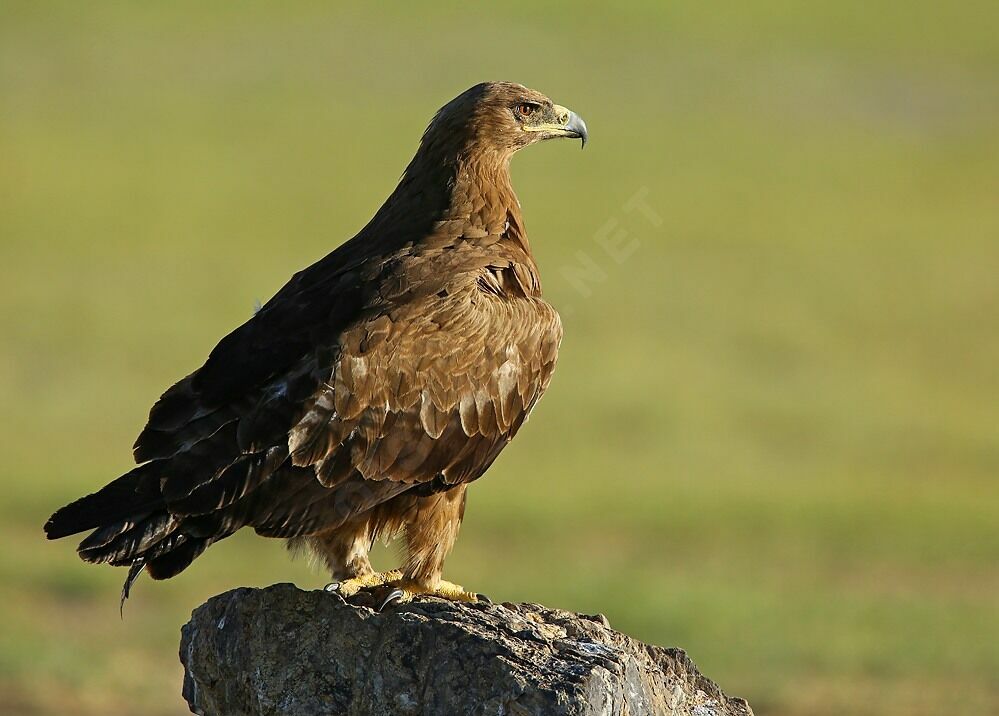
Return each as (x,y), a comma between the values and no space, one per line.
(332,587)
(396,596)
(482,598)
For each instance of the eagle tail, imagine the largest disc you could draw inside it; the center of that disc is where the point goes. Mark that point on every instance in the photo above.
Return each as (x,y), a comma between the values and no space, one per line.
(160,516)
(135,492)
(131,526)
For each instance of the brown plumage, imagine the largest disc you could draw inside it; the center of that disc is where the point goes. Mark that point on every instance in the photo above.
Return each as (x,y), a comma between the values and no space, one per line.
(362,398)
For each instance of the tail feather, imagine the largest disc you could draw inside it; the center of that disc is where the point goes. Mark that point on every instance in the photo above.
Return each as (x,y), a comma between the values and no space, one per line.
(136,524)
(135,492)
(103,536)
(135,541)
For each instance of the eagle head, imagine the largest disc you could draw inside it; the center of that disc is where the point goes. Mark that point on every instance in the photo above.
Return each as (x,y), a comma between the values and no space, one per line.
(502,117)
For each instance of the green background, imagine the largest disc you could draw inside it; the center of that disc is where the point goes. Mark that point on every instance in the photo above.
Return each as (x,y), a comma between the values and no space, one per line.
(773,438)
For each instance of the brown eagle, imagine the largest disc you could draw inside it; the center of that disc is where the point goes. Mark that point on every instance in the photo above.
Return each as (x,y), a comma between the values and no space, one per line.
(362,399)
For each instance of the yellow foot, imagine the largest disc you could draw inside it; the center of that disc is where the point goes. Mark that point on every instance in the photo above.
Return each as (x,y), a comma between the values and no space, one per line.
(350,587)
(405,590)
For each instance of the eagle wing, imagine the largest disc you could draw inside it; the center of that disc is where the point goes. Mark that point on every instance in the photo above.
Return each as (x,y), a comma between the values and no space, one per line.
(428,387)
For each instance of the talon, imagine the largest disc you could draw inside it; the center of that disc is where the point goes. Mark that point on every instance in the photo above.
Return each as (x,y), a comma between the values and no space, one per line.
(350,587)
(444,590)
(396,596)
(482,598)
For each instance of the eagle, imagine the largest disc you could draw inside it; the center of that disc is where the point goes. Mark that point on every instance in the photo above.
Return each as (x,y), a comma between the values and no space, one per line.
(361,400)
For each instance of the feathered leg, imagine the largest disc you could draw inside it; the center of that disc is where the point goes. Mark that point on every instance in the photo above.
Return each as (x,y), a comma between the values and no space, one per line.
(432,524)
(345,551)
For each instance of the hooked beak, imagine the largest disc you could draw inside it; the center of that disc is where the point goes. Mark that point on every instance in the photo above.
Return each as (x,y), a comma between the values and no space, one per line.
(562,122)
(576,127)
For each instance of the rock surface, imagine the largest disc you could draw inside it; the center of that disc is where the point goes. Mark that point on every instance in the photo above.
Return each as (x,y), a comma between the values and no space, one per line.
(281,650)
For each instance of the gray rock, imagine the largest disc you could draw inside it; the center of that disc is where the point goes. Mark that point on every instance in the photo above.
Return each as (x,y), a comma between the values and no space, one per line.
(281,650)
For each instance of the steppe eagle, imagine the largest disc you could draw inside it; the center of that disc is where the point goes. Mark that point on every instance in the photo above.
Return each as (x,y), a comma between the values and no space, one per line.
(362,399)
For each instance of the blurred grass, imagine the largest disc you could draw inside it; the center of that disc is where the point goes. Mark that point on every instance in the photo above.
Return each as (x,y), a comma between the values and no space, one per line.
(774,435)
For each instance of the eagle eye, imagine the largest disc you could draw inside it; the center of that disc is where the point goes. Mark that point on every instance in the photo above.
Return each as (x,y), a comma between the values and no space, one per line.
(526,109)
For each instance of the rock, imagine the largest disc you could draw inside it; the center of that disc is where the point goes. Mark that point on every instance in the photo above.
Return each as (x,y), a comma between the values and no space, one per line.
(281,650)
